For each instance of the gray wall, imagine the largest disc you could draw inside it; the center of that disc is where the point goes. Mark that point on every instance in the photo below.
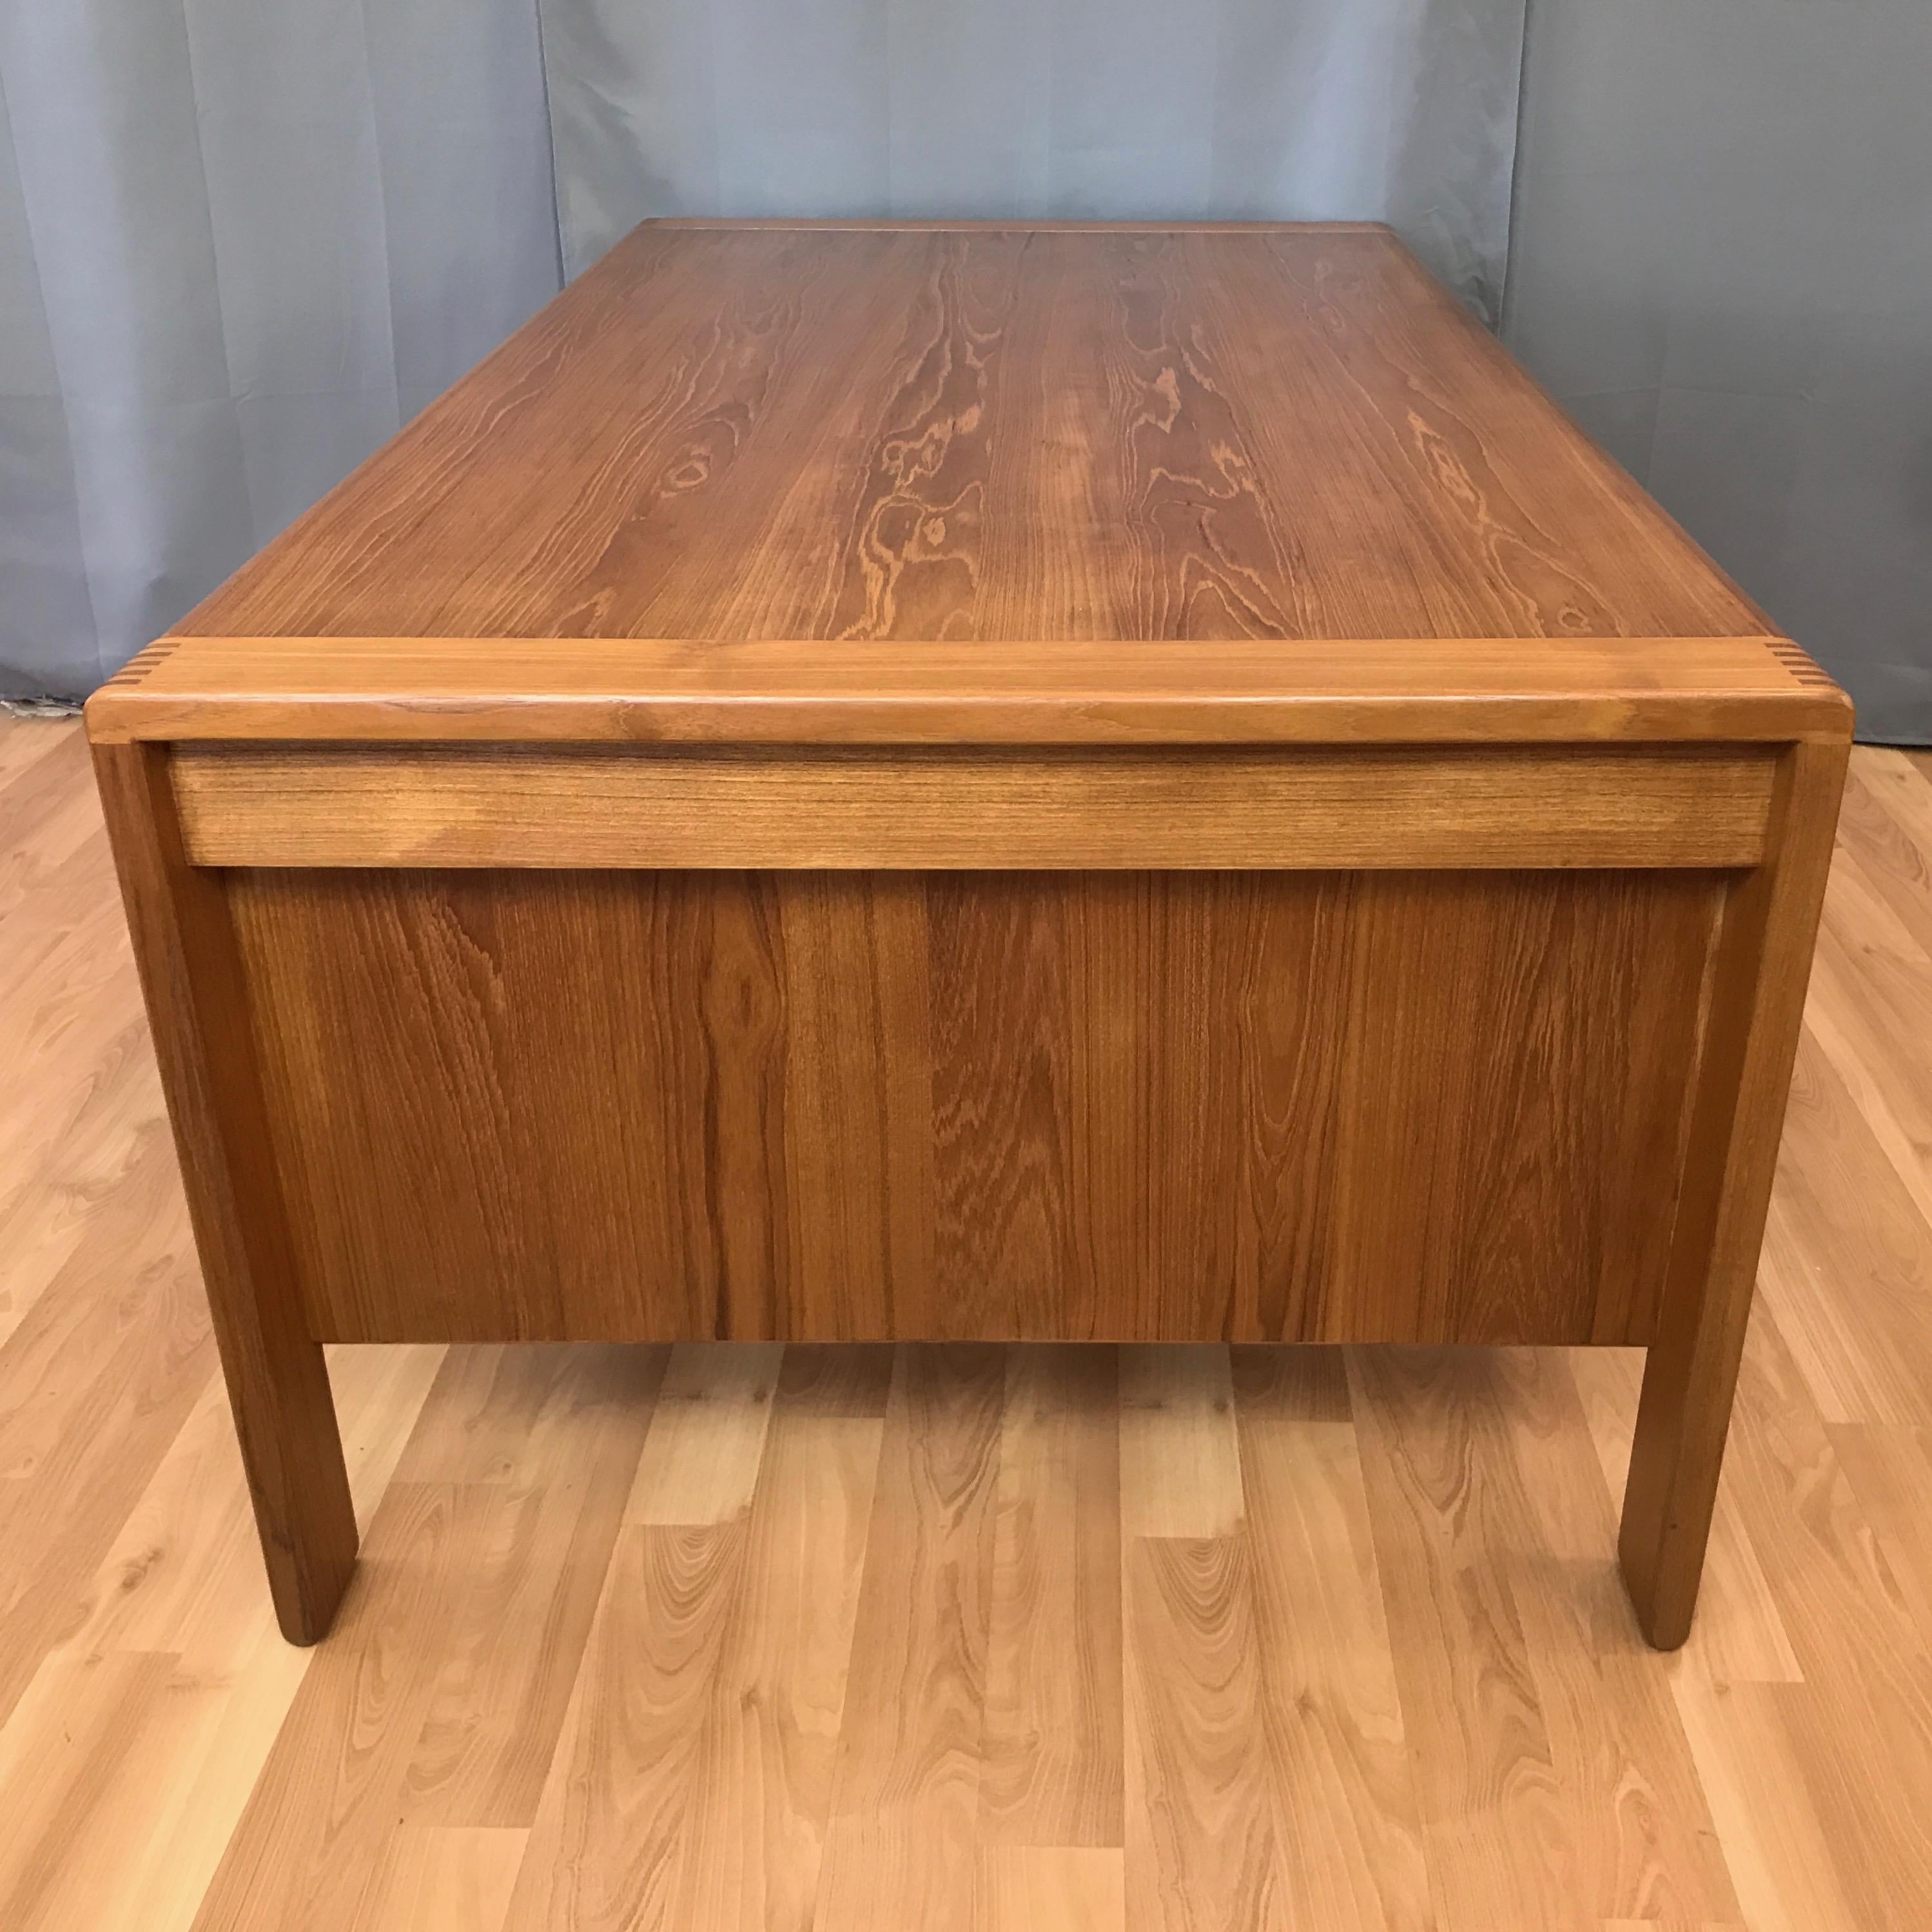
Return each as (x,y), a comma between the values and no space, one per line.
(1722,265)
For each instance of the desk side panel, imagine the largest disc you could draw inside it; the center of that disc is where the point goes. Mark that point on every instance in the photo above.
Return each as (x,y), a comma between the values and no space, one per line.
(1342,1105)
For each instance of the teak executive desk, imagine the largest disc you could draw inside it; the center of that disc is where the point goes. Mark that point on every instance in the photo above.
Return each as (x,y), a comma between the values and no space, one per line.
(957,780)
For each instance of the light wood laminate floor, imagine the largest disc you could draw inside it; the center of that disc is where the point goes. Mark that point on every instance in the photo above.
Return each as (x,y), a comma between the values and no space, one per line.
(973,1637)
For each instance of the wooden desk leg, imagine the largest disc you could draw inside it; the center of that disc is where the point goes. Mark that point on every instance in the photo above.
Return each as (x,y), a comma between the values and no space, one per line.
(1763,962)
(277,1379)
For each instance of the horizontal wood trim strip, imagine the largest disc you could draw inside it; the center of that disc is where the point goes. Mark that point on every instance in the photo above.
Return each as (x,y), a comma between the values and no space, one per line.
(589,808)
(1698,690)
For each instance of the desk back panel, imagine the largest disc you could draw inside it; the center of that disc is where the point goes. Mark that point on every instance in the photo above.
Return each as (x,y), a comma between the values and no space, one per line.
(1397,1106)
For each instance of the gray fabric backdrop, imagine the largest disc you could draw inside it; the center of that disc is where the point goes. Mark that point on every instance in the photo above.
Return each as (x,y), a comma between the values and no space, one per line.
(1399,110)
(240,241)
(1722,266)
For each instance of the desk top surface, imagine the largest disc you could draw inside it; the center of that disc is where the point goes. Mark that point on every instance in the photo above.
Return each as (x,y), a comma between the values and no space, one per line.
(813,466)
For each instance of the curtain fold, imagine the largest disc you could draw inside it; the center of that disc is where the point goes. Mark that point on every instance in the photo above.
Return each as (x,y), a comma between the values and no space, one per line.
(241,242)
